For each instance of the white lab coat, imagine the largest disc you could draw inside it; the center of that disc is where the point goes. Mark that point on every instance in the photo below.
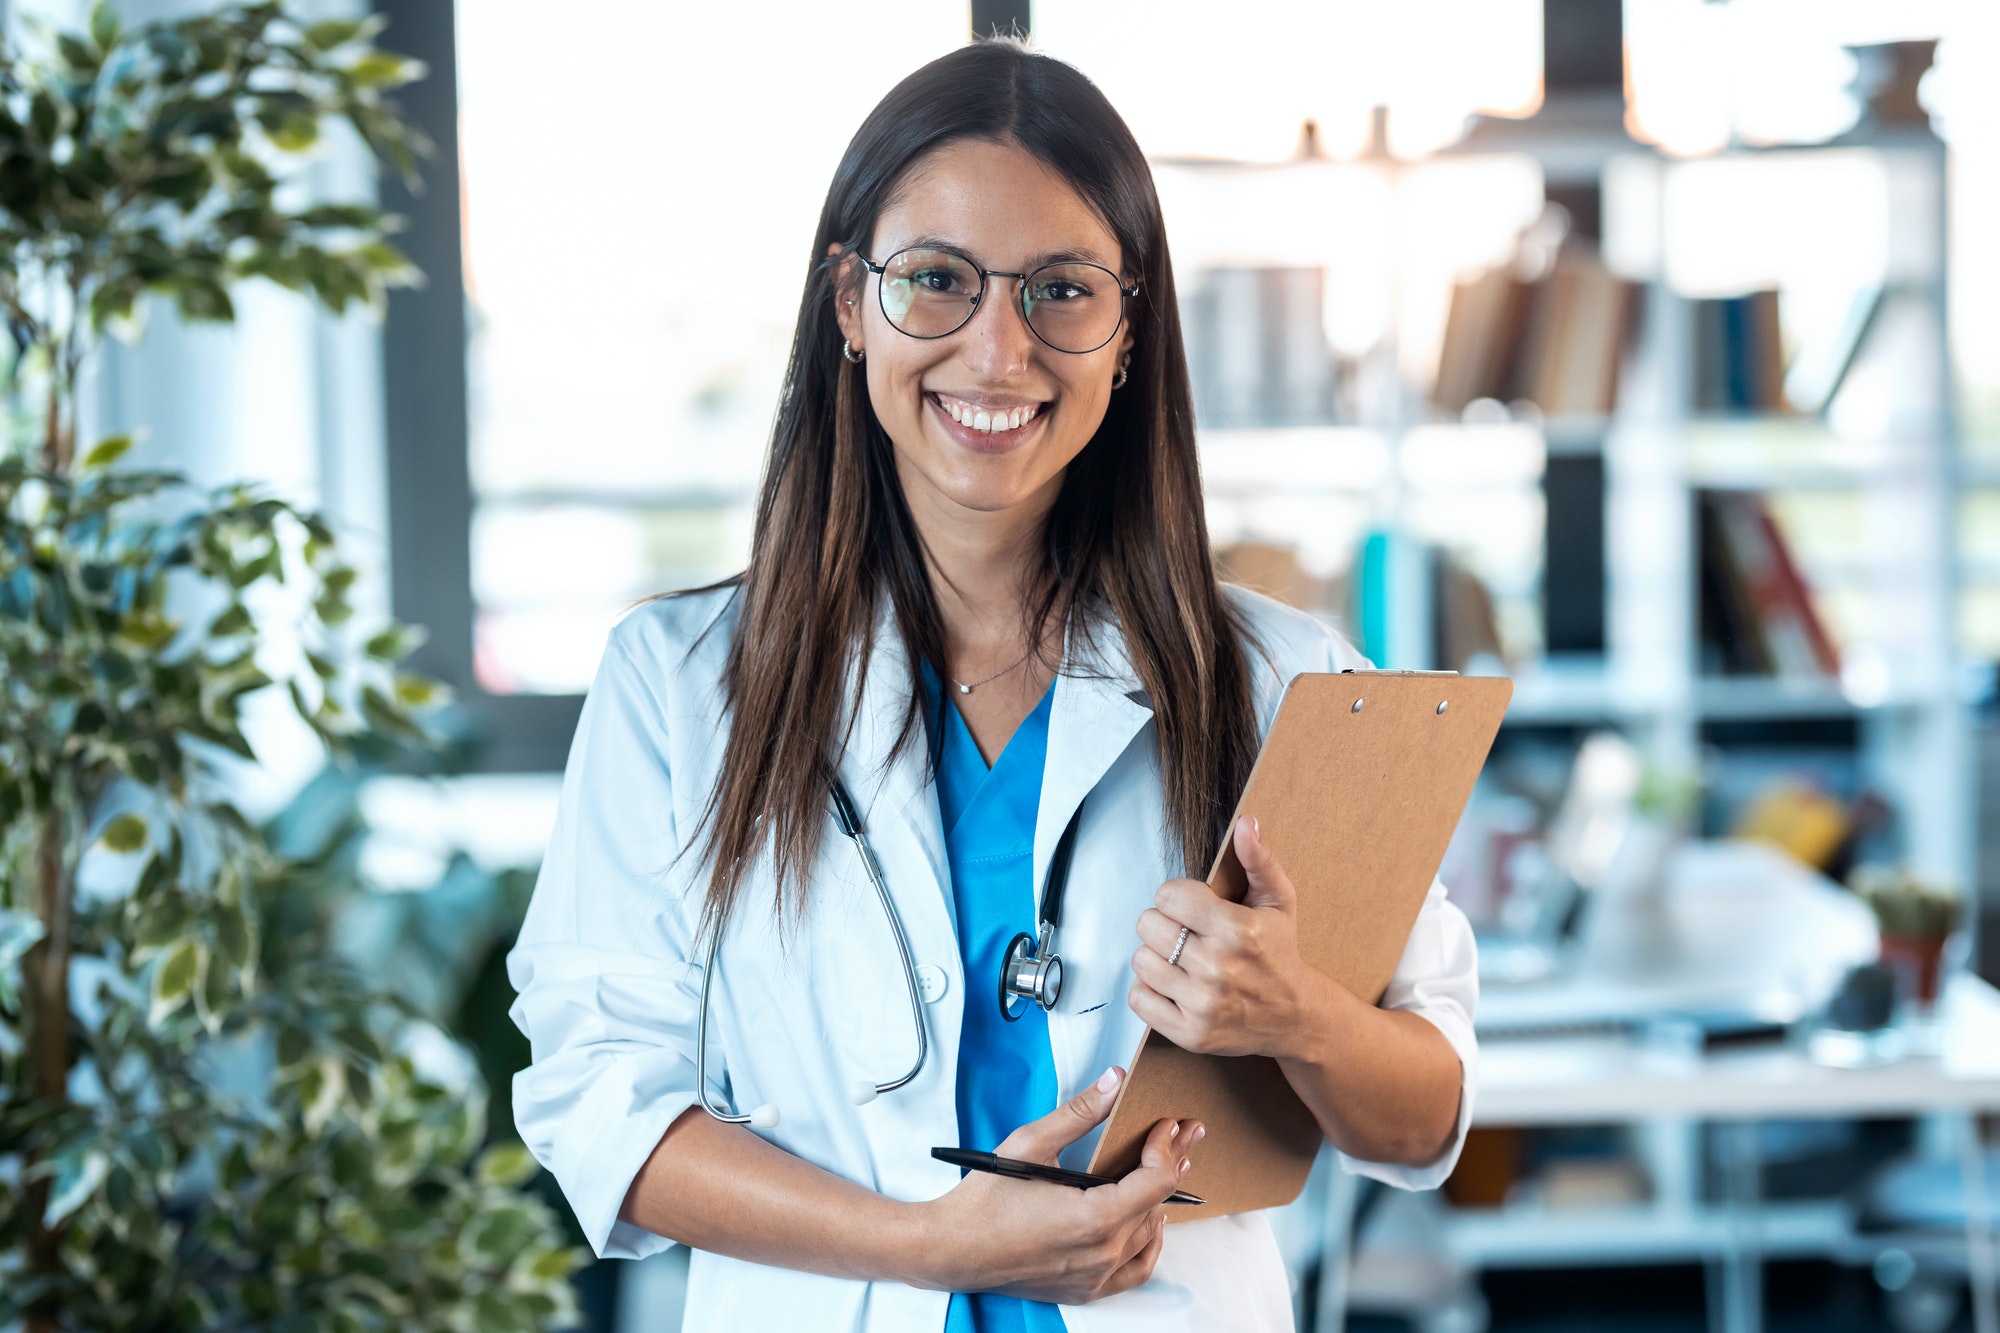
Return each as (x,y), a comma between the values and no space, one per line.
(608,978)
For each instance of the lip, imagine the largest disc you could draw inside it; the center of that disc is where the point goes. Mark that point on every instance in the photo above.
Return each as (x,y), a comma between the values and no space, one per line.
(1002,402)
(988,442)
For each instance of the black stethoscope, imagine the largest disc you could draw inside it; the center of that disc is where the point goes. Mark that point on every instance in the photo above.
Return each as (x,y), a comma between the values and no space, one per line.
(1030,969)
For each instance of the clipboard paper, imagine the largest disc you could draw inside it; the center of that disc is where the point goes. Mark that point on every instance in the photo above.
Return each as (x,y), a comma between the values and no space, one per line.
(1358,805)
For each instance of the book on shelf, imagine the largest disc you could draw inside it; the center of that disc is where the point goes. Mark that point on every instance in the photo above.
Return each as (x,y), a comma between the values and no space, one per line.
(1396,574)
(1557,341)
(1480,327)
(1739,354)
(1757,613)
(1465,627)
(1272,569)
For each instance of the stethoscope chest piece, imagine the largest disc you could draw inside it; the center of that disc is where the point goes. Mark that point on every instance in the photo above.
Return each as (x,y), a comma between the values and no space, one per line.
(1030,972)
(1031,969)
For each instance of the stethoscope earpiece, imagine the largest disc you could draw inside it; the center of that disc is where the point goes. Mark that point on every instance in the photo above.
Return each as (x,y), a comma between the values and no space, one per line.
(765,1116)
(861,1092)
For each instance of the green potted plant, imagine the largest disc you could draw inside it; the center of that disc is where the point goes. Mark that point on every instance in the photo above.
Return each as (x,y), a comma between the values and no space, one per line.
(1916,918)
(206,1121)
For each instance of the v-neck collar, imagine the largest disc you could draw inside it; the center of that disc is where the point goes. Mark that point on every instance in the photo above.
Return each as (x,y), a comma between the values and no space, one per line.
(1095,715)
(963,729)
(964,770)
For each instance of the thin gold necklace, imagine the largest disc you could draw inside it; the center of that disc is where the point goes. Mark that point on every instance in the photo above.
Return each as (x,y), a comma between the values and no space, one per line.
(964,688)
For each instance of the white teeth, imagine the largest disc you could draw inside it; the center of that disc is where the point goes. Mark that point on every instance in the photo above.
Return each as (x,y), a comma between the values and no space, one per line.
(986,420)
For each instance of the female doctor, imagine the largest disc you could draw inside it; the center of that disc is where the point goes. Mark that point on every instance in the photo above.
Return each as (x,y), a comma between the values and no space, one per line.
(979,613)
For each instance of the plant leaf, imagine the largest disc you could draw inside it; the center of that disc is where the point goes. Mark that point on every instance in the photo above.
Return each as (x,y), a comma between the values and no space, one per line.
(103,26)
(175,979)
(325,36)
(236,620)
(127,833)
(506,1165)
(235,938)
(106,452)
(394,643)
(77,1178)
(19,932)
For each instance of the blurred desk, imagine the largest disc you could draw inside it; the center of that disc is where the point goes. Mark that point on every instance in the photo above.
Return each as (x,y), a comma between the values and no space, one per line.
(1668,1094)
(1597,1080)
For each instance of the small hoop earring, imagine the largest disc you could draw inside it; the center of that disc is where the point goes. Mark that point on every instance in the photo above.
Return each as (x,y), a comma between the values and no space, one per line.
(1124,371)
(854,358)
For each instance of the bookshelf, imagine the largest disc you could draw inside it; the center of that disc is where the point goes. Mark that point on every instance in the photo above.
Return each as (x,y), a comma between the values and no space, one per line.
(1870,490)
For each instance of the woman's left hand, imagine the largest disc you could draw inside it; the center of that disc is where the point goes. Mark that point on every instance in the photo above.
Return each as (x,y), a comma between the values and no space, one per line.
(1239,986)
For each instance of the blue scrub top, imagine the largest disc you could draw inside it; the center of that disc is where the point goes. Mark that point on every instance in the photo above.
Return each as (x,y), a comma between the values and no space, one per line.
(1006,1072)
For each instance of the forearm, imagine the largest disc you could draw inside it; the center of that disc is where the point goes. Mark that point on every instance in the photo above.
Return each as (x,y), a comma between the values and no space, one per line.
(721,1188)
(1384,1084)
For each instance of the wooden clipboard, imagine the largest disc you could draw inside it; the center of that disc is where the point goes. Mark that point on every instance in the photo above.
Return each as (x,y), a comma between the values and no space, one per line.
(1358,787)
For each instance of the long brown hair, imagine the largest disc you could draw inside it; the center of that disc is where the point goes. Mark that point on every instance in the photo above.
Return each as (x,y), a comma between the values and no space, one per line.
(1126,541)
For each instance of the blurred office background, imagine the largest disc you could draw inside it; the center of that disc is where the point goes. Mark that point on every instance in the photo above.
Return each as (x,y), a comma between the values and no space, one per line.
(1648,353)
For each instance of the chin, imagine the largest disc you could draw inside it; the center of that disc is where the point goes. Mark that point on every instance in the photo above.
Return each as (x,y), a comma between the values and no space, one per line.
(985,497)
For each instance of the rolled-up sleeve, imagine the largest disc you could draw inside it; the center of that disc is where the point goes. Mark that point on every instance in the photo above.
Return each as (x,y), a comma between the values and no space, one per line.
(1436,978)
(606,990)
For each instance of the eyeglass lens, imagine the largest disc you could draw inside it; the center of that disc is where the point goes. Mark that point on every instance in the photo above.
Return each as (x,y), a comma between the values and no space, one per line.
(1071,307)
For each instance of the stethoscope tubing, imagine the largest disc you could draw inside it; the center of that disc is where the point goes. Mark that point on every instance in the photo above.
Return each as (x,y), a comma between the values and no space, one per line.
(862,1092)
(765,1117)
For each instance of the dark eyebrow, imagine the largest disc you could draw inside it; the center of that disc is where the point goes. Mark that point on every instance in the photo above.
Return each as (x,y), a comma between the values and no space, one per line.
(1074,256)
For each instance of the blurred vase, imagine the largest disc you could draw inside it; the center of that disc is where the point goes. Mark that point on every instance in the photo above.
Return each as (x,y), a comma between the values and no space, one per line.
(1915,960)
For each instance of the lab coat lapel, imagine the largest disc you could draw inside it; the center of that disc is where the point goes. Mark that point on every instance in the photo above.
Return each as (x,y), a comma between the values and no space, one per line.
(894,792)
(1098,709)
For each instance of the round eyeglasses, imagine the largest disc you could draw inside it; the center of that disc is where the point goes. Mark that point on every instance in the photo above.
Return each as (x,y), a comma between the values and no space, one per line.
(930,293)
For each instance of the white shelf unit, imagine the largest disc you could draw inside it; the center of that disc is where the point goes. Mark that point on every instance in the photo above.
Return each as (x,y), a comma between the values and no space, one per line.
(1889,467)
(1894,466)
(1901,474)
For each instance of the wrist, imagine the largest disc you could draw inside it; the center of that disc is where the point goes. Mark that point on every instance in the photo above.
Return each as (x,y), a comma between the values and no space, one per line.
(915,1248)
(1324,1018)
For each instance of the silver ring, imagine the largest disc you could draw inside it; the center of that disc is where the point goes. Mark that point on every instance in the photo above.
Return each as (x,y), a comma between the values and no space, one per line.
(1179,944)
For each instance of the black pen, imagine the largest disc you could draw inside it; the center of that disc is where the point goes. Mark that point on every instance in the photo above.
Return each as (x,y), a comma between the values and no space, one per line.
(1055,1175)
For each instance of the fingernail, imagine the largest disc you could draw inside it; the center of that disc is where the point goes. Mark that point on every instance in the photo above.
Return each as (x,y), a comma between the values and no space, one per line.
(1256,829)
(1199,1130)
(1108,1080)
(1175,1132)
(1185,1164)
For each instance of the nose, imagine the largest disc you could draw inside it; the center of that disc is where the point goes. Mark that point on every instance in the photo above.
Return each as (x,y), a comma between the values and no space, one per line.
(998,341)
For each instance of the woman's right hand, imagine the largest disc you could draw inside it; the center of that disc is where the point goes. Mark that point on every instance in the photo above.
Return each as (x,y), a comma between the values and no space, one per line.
(1047,1242)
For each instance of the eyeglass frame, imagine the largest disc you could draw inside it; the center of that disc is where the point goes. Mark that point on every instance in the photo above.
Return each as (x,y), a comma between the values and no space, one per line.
(1020,295)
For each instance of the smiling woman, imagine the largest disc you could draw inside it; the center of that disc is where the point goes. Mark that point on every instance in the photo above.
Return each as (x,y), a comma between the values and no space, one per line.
(982,474)
(994,415)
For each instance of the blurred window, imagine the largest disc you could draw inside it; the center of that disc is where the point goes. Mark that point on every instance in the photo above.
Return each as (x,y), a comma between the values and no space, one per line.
(616,165)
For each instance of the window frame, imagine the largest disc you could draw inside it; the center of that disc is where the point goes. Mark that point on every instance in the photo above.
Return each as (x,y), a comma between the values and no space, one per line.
(426,424)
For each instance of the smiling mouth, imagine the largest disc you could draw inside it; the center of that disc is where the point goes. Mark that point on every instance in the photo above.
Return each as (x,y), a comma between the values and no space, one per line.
(987,420)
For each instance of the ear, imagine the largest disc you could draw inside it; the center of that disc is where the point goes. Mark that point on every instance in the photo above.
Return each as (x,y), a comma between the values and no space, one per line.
(847,289)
